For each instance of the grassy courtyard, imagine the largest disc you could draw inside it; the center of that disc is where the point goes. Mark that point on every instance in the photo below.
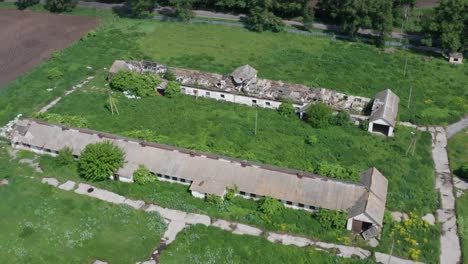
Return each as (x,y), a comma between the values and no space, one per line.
(438,90)
(200,244)
(42,224)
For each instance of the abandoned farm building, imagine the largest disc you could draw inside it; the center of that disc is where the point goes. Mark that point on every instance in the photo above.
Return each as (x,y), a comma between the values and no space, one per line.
(384,113)
(456,58)
(242,86)
(212,174)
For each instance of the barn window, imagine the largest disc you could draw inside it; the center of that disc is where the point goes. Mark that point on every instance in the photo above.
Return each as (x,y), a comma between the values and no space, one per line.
(289,203)
(301,205)
(268,103)
(222,95)
(242,193)
(207,93)
(254,101)
(174,178)
(182,180)
(253,195)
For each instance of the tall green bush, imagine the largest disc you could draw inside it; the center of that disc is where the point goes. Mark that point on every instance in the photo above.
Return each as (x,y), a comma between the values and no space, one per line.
(65,156)
(59,6)
(172,89)
(143,176)
(99,161)
(270,206)
(319,115)
(23,4)
(141,8)
(142,85)
(286,109)
(330,219)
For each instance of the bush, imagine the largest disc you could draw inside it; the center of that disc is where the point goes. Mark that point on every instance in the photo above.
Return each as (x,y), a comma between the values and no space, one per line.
(68,120)
(462,171)
(143,176)
(172,89)
(311,140)
(260,19)
(329,219)
(141,8)
(100,160)
(337,171)
(231,193)
(54,74)
(214,199)
(342,119)
(142,85)
(169,75)
(23,4)
(364,125)
(286,109)
(65,156)
(183,9)
(60,5)
(270,206)
(319,115)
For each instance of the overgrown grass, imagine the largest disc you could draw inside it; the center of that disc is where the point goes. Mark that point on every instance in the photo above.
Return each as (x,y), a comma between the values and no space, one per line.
(438,89)
(200,244)
(462,219)
(227,129)
(42,224)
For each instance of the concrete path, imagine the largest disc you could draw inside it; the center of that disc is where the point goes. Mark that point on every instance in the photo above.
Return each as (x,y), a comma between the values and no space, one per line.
(178,220)
(446,215)
(457,127)
(56,100)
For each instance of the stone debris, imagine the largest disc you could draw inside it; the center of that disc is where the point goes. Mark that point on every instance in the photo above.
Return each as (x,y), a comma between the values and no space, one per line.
(33,164)
(68,186)
(6,130)
(51,181)
(399,216)
(429,218)
(242,229)
(4,182)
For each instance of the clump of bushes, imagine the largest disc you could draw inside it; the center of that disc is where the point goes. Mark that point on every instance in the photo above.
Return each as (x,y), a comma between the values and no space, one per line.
(462,171)
(23,4)
(68,120)
(100,160)
(261,19)
(141,8)
(172,89)
(65,156)
(337,171)
(142,85)
(59,6)
(214,199)
(330,219)
(320,115)
(270,206)
(143,176)
(169,75)
(231,193)
(286,109)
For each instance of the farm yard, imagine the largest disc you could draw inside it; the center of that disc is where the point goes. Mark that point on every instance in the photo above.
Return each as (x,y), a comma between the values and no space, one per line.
(29,38)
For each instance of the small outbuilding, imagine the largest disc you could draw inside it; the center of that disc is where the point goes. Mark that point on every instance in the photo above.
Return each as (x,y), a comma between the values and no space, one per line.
(456,58)
(384,113)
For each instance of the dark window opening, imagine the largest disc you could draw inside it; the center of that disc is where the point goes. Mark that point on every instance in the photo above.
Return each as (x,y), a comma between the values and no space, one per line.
(268,103)
(301,205)
(289,203)
(253,195)
(222,96)
(381,129)
(207,93)
(254,101)
(174,178)
(242,193)
(182,180)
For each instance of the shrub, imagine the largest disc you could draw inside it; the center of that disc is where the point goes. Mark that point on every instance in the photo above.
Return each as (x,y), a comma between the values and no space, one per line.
(311,140)
(65,156)
(54,74)
(286,109)
(141,8)
(462,171)
(319,115)
(100,160)
(260,19)
(72,121)
(231,193)
(364,125)
(214,199)
(342,119)
(337,171)
(182,9)
(169,75)
(142,85)
(60,5)
(172,89)
(23,4)
(329,219)
(143,176)
(270,206)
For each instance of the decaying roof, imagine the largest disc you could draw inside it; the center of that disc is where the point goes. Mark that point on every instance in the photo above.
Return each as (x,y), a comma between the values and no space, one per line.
(209,173)
(456,55)
(243,74)
(372,203)
(243,81)
(385,107)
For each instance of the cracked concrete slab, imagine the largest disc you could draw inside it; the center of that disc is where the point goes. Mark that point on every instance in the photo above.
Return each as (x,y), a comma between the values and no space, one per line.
(193,219)
(223,224)
(173,229)
(137,204)
(344,251)
(242,229)
(51,181)
(387,259)
(68,186)
(104,195)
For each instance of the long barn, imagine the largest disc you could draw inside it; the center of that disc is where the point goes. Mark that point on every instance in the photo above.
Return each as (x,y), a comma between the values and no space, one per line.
(206,173)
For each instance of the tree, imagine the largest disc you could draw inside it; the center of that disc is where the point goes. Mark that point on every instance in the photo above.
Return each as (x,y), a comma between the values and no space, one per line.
(141,8)
(319,115)
(65,156)
(260,17)
(172,89)
(142,85)
(270,206)
(58,6)
(342,119)
(449,24)
(286,109)
(307,16)
(23,4)
(183,9)
(329,219)
(100,160)
(143,176)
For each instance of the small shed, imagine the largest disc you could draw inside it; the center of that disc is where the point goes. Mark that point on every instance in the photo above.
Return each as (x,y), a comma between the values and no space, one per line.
(366,216)
(384,113)
(456,58)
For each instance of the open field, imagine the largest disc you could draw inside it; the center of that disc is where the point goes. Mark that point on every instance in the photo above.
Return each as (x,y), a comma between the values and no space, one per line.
(42,224)
(29,38)
(200,244)
(438,89)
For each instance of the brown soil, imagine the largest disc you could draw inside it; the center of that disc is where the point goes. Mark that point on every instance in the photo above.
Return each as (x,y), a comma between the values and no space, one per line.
(28,38)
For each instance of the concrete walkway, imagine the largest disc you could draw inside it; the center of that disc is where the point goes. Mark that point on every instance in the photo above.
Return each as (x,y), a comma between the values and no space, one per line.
(446,215)
(457,127)
(178,220)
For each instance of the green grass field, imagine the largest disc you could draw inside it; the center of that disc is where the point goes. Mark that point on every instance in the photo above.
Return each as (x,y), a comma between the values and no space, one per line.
(438,89)
(42,224)
(200,244)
